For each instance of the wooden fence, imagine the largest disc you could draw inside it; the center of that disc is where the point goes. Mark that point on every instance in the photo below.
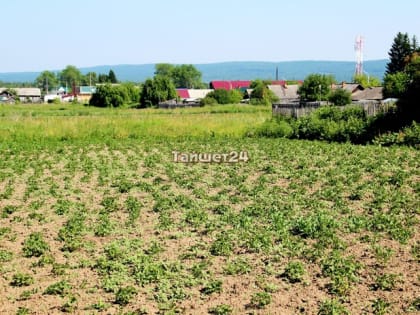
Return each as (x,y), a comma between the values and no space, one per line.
(302,109)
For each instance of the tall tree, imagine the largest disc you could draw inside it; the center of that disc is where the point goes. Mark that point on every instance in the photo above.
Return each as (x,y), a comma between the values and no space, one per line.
(183,76)
(186,76)
(71,76)
(112,78)
(316,87)
(400,50)
(47,80)
(164,69)
(366,81)
(90,78)
(156,90)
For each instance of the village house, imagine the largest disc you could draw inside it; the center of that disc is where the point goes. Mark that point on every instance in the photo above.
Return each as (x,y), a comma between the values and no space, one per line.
(25,95)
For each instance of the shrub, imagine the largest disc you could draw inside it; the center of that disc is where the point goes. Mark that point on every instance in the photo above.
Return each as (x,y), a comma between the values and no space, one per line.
(340,97)
(275,128)
(35,245)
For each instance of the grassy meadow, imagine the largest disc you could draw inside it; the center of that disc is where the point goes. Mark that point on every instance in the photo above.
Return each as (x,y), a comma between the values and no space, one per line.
(97,218)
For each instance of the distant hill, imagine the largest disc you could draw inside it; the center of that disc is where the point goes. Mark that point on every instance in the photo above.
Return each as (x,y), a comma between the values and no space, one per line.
(241,70)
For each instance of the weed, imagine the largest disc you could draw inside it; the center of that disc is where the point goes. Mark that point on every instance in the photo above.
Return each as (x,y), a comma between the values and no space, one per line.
(260,299)
(8,210)
(5,255)
(23,311)
(238,266)
(294,271)
(61,288)
(70,306)
(385,282)
(21,280)
(332,307)
(214,286)
(35,245)
(380,306)
(383,254)
(133,207)
(124,295)
(221,309)
(222,246)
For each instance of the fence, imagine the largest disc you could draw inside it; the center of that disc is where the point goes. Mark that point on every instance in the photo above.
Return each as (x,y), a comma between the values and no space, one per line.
(302,109)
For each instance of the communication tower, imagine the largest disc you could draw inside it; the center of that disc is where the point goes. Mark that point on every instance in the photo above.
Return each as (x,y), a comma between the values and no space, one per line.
(358,48)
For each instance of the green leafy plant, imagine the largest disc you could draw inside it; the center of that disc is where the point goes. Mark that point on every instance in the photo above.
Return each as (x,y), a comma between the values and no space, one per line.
(124,295)
(294,271)
(35,245)
(332,307)
(260,299)
(61,288)
(221,309)
(21,280)
(214,286)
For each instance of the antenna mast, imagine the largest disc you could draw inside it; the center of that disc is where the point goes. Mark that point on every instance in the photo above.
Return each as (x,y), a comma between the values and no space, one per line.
(358,48)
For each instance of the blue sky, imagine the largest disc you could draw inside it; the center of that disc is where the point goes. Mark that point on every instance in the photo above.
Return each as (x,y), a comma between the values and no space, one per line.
(50,34)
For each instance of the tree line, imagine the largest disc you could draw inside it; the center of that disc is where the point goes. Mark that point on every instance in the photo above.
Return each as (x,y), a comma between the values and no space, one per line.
(70,77)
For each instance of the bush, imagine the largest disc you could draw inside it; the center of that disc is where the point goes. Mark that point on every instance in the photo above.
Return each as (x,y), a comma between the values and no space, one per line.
(222,96)
(340,97)
(275,128)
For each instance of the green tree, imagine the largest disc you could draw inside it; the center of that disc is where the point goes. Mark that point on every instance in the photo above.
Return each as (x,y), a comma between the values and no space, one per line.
(366,80)
(156,90)
(340,97)
(183,76)
(108,95)
(71,76)
(395,84)
(400,50)
(222,96)
(186,76)
(47,80)
(164,69)
(112,78)
(316,87)
(90,78)
(261,94)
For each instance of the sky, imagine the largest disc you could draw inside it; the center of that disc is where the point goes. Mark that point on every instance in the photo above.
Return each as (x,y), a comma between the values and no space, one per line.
(51,34)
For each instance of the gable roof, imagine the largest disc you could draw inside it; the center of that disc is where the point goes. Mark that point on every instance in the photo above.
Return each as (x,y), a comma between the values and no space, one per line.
(351,87)
(283,92)
(183,93)
(372,93)
(230,85)
(25,92)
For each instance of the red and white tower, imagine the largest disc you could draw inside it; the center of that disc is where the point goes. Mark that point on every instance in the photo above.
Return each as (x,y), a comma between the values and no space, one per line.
(358,48)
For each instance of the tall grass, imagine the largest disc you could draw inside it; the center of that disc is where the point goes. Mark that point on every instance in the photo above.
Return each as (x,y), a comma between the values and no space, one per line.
(75,122)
